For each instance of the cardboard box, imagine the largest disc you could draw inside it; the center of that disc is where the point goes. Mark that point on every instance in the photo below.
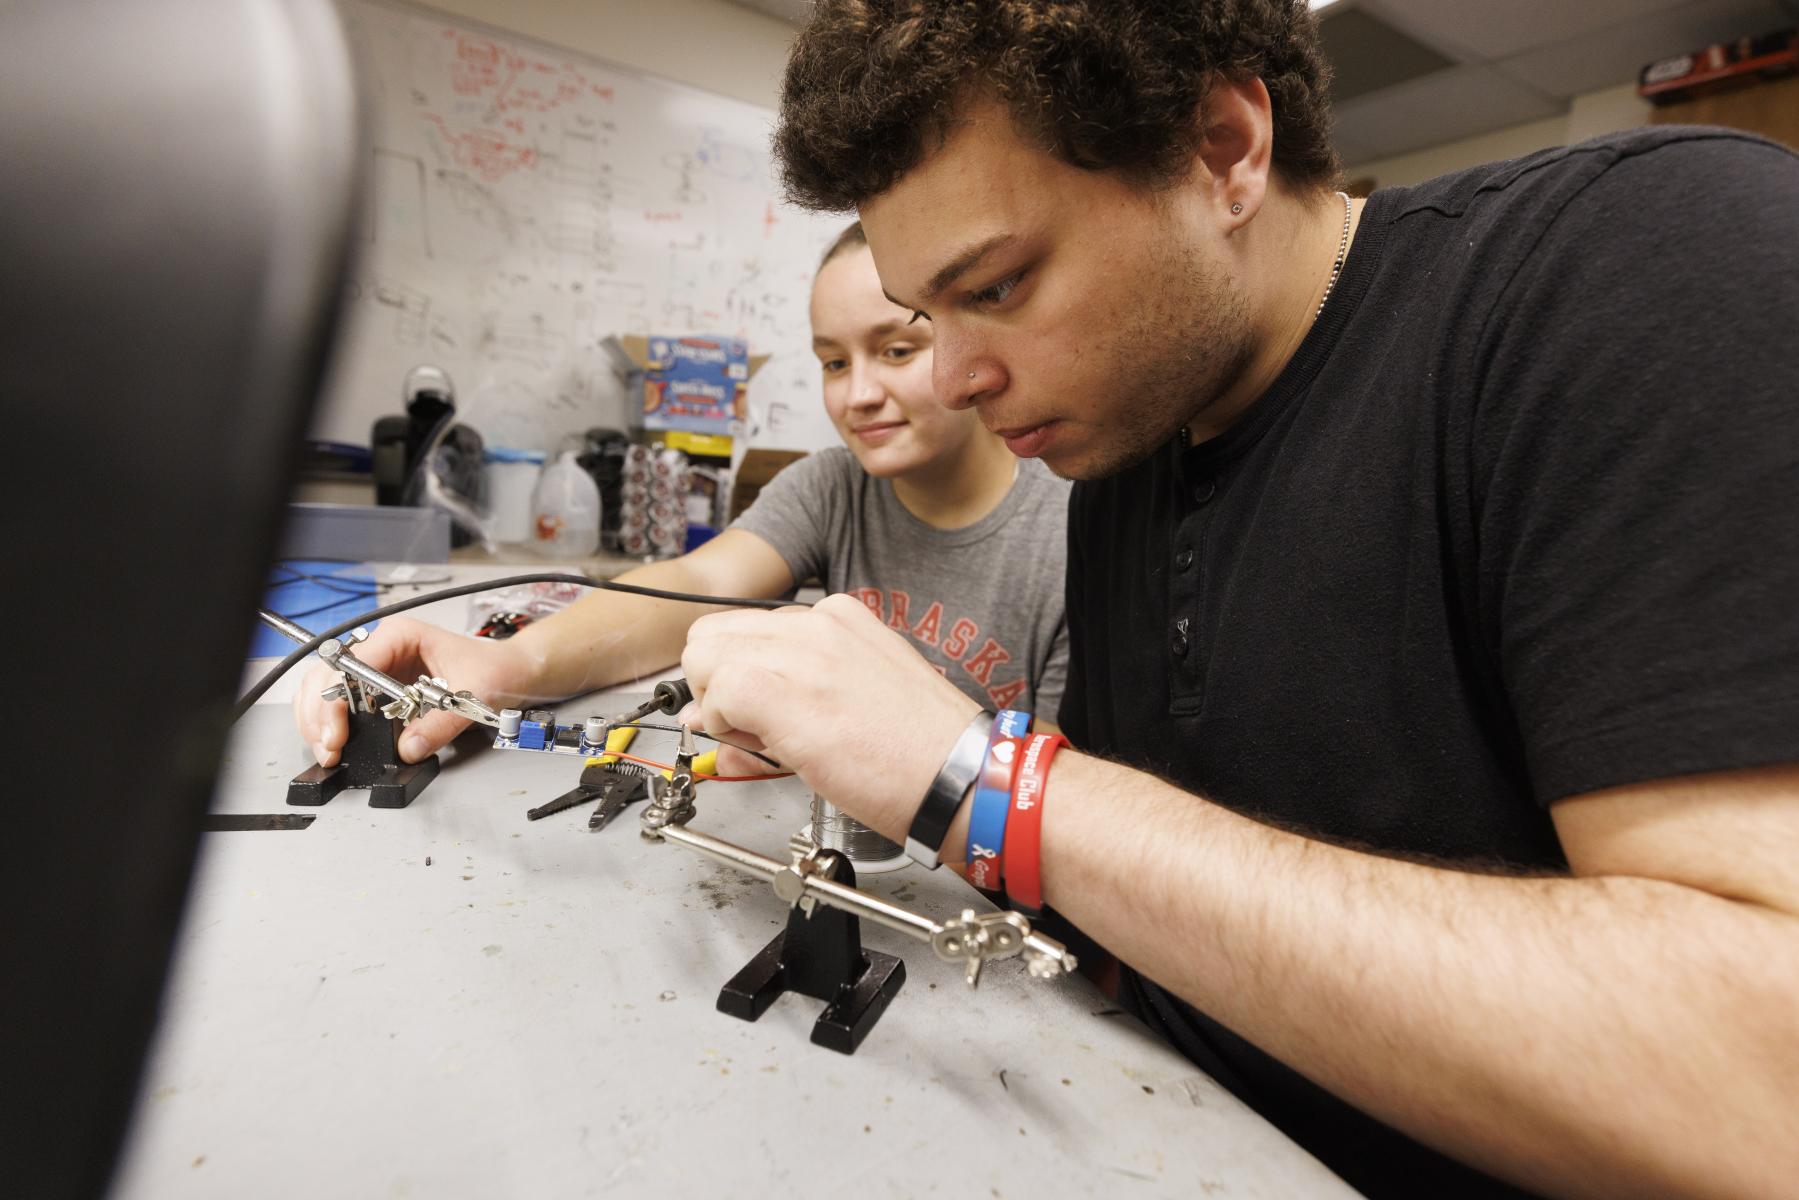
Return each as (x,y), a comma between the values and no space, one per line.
(695,385)
(753,474)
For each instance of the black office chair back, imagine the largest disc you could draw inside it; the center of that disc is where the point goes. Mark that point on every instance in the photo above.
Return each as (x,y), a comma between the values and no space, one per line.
(177,184)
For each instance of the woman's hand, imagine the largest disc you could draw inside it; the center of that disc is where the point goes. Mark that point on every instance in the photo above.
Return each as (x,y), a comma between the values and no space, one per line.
(497,672)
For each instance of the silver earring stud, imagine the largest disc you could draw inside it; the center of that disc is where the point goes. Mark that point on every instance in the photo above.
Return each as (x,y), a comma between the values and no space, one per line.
(971,374)
(1236,209)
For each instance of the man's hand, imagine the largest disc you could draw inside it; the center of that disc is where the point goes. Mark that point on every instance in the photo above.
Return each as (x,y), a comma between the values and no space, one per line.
(495,671)
(835,696)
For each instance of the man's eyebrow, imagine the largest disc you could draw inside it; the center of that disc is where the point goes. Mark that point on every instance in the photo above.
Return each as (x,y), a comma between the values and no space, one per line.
(954,269)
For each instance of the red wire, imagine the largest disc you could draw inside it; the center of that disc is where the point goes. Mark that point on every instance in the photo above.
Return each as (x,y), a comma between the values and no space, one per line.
(697,774)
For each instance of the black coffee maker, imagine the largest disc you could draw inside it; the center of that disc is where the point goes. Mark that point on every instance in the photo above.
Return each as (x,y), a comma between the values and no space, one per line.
(425,457)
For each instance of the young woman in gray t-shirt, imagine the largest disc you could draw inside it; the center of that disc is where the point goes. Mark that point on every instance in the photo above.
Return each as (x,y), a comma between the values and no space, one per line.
(923,515)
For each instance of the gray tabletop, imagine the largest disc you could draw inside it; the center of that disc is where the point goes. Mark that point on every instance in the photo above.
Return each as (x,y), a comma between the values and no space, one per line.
(448,1000)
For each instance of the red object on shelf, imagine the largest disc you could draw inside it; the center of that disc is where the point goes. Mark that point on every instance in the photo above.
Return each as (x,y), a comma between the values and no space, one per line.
(1719,66)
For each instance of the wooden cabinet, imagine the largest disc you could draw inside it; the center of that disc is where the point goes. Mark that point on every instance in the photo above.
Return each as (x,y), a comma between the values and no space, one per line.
(1768,107)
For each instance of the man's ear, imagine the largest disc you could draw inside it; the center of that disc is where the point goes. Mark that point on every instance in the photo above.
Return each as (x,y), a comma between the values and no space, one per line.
(1236,149)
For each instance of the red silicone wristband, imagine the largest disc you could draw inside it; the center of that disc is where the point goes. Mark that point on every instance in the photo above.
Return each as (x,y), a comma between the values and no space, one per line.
(1024,826)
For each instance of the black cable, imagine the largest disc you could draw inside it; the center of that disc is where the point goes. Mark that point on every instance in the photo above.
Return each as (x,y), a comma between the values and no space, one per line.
(344,594)
(699,733)
(293,576)
(347,590)
(313,612)
(399,606)
(333,581)
(348,587)
(337,574)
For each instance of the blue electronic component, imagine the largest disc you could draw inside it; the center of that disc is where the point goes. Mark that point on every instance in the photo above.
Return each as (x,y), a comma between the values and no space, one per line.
(537,731)
(549,737)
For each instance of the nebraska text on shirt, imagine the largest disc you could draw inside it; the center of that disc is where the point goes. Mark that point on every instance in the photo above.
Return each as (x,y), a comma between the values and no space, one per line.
(961,643)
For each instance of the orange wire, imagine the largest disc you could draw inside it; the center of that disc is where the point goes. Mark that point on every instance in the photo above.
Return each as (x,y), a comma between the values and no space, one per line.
(697,774)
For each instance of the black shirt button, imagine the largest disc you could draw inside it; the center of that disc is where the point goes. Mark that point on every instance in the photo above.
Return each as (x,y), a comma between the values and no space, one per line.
(1205,491)
(1183,560)
(1178,643)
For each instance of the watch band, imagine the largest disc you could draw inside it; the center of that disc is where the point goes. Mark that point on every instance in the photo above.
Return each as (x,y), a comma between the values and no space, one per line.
(930,825)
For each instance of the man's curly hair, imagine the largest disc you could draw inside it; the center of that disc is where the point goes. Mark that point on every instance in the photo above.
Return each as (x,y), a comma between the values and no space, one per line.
(1105,85)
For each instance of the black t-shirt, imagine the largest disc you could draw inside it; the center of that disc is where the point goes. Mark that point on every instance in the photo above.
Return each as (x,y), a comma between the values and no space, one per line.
(1519,521)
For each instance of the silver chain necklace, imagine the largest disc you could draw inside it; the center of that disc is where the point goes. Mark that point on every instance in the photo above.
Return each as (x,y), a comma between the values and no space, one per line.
(1342,253)
(1336,270)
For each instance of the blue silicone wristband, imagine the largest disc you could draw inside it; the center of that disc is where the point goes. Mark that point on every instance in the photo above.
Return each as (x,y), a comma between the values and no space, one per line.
(992,803)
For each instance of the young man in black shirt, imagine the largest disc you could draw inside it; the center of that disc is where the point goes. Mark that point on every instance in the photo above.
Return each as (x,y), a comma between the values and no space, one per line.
(1434,582)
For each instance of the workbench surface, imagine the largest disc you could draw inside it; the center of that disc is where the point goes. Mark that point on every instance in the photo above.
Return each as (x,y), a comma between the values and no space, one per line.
(449,1000)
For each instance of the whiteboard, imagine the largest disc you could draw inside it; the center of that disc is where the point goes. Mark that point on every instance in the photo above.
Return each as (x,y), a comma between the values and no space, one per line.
(526,202)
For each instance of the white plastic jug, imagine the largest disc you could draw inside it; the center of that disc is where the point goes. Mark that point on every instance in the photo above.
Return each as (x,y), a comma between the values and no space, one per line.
(565,511)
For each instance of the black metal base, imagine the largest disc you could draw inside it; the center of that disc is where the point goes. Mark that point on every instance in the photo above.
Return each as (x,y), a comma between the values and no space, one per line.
(371,759)
(820,956)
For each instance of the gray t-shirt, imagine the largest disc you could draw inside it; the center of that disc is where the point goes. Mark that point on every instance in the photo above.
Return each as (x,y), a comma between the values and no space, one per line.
(983,603)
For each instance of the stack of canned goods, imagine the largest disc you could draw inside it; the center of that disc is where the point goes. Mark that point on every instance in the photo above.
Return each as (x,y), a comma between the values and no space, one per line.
(652,519)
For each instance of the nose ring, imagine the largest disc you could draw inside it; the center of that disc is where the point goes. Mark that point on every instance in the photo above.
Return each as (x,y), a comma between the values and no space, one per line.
(971,374)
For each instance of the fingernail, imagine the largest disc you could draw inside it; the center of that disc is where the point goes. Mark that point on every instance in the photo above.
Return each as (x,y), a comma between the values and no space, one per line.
(318,752)
(412,747)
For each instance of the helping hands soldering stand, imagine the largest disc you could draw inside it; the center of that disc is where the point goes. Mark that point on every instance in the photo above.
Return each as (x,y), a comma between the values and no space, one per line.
(820,954)
(370,758)
(371,755)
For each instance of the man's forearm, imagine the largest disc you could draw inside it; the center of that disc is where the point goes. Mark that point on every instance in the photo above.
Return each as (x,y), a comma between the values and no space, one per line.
(1581,1036)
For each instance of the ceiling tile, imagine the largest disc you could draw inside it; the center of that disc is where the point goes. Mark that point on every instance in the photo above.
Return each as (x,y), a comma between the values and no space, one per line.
(1457,103)
(1367,54)
(1490,29)
(1616,55)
